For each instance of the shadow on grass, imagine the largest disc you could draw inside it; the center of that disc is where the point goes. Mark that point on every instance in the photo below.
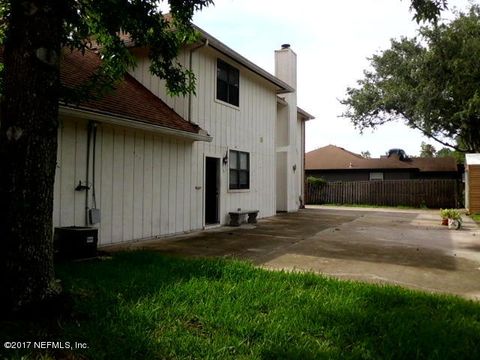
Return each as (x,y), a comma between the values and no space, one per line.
(143,305)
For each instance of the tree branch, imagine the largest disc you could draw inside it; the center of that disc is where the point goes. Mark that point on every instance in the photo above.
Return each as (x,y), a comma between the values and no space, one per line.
(430,135)
(412,124)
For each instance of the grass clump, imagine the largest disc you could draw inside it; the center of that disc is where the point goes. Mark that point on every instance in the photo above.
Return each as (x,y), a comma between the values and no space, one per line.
(142,305)
(476,217)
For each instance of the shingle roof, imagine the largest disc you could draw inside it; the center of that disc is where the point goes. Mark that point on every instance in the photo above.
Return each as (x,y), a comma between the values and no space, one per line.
(330,157)
(435,164)
(336,158)
(130,99)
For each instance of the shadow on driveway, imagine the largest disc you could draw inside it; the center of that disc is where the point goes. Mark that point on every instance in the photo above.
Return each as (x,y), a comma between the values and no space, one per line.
(408,248)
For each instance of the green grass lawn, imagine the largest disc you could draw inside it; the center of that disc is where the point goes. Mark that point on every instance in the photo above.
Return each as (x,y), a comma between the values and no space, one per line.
(143,305)
(476,217)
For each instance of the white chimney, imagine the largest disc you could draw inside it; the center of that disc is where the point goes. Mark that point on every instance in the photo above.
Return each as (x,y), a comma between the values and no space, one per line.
(286,65)
(288,156)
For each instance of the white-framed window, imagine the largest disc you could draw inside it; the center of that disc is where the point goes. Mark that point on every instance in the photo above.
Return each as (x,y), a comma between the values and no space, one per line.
(376,176)
(228,83)
(239,164)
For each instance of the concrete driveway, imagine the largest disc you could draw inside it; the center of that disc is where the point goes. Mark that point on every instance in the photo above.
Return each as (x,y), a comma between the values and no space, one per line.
(403,247)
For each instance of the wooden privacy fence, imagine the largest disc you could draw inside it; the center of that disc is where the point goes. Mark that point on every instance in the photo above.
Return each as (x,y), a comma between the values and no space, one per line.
(415,193)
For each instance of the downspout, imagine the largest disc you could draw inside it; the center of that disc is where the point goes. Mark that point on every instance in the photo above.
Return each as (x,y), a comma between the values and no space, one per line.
(91,128)
(192,50)
(87,187)
(94,198)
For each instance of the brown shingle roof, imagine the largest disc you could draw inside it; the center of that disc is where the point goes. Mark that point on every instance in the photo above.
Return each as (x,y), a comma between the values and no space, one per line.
(435,164)
(130,99)
(336,158)
(330,157)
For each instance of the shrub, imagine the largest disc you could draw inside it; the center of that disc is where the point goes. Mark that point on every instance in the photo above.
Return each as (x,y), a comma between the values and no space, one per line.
(316,181)
(450,214)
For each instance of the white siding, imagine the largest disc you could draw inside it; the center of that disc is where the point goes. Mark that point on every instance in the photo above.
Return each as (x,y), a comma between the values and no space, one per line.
(140,190)
(148,185)
(250,128)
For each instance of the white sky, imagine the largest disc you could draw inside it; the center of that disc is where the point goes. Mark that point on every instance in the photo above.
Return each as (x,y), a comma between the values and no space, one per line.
(332,40)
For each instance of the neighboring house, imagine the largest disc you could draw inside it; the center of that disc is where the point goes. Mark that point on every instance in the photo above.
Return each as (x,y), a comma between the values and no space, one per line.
(154,165)
(334,163)
(472,183)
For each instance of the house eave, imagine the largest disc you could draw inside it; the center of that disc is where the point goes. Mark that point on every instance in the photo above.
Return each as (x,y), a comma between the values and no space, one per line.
(305,115)
(281,101)
(114,119)
(282,87)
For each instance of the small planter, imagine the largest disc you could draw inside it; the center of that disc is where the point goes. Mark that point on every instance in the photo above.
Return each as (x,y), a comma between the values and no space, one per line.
(454,224)
(452,218)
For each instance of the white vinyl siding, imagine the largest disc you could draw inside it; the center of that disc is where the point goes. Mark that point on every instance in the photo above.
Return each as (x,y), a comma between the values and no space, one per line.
(142,182)
(148,185)
(249,127)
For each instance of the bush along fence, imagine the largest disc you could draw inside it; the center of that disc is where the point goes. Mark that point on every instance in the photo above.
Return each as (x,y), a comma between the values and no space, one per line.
(415,193)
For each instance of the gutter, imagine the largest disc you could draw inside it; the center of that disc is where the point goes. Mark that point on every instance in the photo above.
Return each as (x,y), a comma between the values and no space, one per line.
(113,119)
(305,115)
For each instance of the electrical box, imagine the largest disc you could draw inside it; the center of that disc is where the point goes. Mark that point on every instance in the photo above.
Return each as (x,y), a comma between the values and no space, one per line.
(94,216)
(74,242)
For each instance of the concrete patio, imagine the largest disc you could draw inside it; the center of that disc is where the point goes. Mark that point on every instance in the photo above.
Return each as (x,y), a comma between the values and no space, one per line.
(403,247)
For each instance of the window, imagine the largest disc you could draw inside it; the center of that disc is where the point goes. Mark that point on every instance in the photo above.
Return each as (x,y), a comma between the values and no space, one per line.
(228,83)
(376,176)
(239,170)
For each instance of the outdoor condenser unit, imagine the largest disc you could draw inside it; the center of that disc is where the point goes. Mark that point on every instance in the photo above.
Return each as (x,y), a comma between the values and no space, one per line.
(73,242)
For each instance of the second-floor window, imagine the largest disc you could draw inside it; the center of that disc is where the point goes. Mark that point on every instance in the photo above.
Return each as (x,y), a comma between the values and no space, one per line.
(228,83)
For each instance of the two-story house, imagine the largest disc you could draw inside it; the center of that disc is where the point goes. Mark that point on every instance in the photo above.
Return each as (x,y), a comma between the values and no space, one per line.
(139,164)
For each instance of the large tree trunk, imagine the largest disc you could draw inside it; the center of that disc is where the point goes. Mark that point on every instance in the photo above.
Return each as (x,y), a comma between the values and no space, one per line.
(28,147)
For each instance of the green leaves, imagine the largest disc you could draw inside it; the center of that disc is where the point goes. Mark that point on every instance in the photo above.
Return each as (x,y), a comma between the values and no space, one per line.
(431,82)
(111,27)
(428,10)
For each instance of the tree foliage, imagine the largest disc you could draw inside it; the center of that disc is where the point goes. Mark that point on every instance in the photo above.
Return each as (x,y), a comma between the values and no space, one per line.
(366,154)
(427,10)
(96,25)
(427,150)
(447,152)
(431,82)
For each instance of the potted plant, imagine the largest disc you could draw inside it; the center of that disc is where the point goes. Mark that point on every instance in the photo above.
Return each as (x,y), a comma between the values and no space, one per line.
(451,217)
(444,216)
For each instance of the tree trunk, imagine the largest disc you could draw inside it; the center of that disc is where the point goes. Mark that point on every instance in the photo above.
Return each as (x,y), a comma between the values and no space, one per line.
(28,148)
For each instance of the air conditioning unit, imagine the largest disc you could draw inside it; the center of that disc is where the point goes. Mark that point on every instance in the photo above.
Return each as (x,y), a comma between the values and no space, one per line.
(75,242)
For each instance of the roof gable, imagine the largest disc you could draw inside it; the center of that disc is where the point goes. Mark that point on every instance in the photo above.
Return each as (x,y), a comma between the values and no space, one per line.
(330,157)
(130,99)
